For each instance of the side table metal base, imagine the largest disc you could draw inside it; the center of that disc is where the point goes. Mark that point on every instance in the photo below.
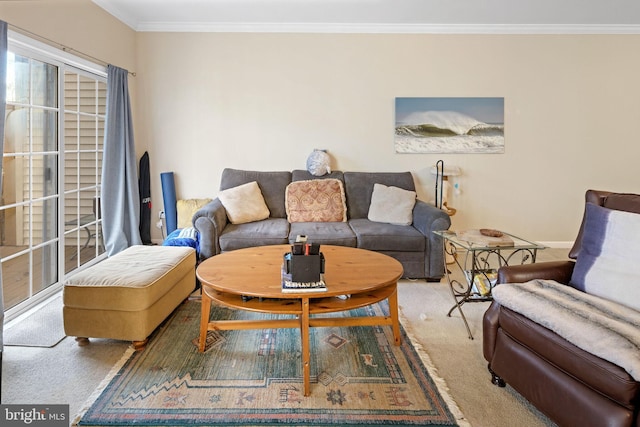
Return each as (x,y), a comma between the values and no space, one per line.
(479,265)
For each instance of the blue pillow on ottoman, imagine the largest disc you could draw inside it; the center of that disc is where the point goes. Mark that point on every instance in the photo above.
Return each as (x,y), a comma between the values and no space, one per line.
(609,262)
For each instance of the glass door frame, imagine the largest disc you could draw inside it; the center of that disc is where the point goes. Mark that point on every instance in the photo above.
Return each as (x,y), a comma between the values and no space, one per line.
(64,61)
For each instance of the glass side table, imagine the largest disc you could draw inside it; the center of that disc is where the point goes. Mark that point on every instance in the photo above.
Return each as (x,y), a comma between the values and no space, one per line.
(479,257)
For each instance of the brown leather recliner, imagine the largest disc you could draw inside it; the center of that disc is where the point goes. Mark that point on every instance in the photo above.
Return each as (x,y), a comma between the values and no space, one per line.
(566,383)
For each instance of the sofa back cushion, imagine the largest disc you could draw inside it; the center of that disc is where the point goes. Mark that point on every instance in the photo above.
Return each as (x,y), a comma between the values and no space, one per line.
(626,202)
(608,263)
(304,175)
(358,187)
(272,185)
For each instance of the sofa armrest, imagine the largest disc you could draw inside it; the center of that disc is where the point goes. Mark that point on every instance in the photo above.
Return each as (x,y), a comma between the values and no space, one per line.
(427,219)
(490,325)
(209,221)
(559,271)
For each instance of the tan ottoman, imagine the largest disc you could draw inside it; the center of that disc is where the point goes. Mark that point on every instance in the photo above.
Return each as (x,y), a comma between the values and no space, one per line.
(128,295)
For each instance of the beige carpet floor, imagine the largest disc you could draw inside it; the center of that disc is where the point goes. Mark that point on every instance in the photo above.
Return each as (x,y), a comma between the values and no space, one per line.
(68,374)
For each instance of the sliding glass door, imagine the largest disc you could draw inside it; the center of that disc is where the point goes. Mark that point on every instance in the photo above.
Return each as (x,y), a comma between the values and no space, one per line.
(49,208)
(85,100)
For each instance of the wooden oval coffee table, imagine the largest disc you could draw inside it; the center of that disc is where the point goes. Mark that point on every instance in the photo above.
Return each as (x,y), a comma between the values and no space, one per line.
(368,277)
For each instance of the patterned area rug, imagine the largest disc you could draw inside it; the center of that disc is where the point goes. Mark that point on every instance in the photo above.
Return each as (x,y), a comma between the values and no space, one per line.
(253,377)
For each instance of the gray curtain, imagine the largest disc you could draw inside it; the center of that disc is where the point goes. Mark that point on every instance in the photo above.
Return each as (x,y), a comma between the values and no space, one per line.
(3,108)
(120,202)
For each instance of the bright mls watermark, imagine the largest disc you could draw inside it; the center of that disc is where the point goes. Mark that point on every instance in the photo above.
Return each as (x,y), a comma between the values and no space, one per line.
(34,415)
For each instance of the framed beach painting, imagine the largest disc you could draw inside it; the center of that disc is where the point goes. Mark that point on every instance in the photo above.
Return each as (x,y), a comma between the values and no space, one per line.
(449,125)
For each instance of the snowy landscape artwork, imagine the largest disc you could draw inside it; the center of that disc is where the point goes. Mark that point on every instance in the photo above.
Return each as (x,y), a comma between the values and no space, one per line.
(449,125)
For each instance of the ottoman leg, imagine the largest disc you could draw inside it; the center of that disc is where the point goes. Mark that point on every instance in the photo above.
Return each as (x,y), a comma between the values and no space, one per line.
(140,345)
(82,341)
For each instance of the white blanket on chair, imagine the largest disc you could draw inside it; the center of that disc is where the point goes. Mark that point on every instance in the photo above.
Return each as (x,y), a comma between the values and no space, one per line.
(601,327)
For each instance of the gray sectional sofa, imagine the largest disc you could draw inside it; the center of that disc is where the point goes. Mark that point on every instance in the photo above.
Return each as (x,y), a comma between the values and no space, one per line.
(415,245)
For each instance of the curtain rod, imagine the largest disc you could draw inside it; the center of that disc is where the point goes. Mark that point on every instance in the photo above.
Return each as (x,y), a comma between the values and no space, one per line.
(63,47)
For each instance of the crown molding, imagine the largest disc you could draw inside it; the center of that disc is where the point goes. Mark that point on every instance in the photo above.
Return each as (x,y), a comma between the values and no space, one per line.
(350,28)
(119,14)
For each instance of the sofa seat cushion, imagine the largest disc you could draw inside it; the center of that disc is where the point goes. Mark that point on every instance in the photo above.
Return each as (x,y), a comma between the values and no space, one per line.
(132,280)
(324,233)
(271,231)
(377,236)
(599,374)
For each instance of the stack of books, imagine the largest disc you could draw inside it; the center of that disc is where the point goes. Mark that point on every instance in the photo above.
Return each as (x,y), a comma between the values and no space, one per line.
(483,281)
(289,286)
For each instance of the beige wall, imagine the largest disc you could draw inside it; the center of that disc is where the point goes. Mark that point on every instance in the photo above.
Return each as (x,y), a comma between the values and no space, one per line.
(265,101)
(79,25)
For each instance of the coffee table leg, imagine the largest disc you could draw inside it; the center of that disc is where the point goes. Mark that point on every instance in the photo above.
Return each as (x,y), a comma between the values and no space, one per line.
(306,357)
(205,312)
(393,311)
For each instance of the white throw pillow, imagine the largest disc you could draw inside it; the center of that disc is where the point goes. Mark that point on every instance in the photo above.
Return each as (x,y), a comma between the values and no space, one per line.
(391,205)
(244,203)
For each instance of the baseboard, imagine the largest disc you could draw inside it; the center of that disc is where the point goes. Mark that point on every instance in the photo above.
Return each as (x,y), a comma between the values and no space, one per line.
(558,244)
